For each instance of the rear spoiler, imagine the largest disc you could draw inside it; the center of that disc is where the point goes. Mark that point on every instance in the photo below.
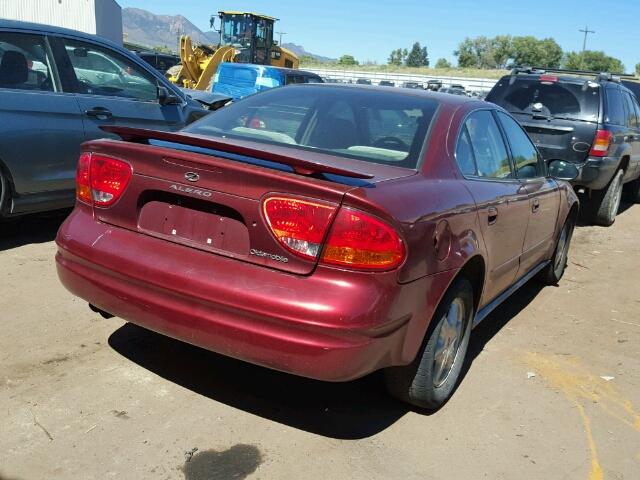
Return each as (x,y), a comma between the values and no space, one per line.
(275,154)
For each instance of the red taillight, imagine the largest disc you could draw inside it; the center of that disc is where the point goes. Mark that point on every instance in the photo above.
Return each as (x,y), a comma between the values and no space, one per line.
(548,78)
(299,225)
(356,240)
(100,180)
(360,241)
(83,188)
(601,143)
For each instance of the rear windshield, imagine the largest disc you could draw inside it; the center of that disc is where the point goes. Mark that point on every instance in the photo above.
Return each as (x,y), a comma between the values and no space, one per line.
(371,125)
(572,101)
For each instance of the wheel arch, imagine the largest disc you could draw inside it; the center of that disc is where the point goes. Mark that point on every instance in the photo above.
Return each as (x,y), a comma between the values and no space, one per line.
(475,271)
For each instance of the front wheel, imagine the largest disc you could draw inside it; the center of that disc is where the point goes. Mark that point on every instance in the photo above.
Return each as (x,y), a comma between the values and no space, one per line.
(429,381)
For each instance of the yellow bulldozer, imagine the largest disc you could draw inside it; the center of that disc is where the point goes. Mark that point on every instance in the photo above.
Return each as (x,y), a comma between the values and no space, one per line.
(244,38)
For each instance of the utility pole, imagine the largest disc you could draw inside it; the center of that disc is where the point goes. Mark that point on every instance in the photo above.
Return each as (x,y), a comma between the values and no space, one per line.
(586,32)
(281,33)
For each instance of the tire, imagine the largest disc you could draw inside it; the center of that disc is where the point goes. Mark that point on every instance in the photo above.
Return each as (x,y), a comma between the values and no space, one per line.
(632,191)
(603,207)
(4,194)
(552,274)
(430,380)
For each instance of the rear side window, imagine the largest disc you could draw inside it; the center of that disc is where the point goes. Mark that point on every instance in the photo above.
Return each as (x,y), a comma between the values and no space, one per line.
(572,101)
(524,154)
(615,113)
(632,119)
(25,63)
(380,127)
(481,150)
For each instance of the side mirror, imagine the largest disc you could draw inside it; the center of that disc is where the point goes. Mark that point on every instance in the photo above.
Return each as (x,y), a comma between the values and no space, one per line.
(167,97)
(563,170)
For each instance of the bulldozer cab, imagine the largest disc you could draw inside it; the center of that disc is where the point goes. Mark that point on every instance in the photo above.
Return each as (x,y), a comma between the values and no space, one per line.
(250,34)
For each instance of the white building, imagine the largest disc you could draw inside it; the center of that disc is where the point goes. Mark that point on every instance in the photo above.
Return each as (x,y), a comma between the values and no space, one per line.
(99,17)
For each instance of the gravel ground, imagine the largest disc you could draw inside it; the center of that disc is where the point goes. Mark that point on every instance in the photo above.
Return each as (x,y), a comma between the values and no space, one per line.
(552,390)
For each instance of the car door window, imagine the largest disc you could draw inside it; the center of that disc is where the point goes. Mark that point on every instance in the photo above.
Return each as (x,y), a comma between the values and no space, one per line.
(525,156)
(25,62)
(100,71)
(487,145)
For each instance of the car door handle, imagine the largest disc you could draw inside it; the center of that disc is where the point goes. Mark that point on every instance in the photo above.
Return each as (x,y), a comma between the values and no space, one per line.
(492,215)
(535,205)
(100,113)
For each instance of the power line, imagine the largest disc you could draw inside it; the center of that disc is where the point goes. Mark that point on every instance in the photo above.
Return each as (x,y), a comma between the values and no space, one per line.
(281,33)
(586,32)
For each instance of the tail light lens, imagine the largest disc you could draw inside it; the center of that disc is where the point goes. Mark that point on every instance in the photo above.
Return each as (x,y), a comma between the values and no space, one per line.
(601,143)
(101,180)
(356,239)
(360,241)
(299,225)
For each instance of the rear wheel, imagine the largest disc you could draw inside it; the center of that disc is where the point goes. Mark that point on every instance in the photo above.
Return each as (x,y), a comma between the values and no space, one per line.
(431,378)
(603,206)
(552,274)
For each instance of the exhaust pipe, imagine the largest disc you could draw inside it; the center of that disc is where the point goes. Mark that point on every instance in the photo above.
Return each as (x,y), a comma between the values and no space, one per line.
(102,313)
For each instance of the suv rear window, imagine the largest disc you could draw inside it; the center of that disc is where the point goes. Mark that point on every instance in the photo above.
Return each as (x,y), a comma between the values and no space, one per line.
(370,125)
(567,100)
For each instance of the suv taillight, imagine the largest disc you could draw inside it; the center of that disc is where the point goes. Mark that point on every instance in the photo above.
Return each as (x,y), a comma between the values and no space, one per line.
(101,180)
(601,143)
(355,240)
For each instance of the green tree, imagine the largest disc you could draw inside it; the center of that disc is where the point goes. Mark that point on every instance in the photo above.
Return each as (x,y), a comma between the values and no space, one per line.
(396,57)
(501,51)
(593,60)
(638,69)
(162,49)
(418,56)
(347,60)
(443,63)
(534,52)
(307,59)
(476,53)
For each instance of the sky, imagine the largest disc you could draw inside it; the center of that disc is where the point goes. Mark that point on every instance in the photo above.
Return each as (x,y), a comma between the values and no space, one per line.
(369,30)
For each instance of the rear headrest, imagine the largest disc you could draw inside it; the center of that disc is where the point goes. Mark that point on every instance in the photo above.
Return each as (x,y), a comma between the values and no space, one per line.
(13,68)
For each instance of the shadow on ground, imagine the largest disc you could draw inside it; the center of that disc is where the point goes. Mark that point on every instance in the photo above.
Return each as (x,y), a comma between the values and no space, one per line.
(352,410)
(37,228)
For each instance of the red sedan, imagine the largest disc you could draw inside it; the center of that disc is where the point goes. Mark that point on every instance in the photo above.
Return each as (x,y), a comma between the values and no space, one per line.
(327,231)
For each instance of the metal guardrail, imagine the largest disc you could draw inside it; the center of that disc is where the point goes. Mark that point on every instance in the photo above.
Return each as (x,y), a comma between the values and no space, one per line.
(471,84)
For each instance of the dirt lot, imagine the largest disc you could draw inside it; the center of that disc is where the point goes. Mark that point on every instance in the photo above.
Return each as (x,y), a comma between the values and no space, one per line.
(86,398)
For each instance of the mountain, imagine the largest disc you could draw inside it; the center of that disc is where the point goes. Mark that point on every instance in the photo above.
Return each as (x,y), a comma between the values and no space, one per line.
(145,28)
(301,52)
(142,27)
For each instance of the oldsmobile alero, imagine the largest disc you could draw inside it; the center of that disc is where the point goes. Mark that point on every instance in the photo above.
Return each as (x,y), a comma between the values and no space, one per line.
(326,231)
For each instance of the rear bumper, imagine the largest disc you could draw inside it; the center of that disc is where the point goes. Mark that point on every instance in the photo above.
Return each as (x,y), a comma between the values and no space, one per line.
(332,325)
(596,173)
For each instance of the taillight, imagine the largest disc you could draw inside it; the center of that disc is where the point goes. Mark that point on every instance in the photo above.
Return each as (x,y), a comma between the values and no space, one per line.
(601,143)
(299,225)
(360,241)
(101,180)
(548,78)
(83,188)
(356,240)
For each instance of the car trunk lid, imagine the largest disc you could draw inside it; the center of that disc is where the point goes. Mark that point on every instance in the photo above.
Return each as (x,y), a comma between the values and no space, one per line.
(207,194)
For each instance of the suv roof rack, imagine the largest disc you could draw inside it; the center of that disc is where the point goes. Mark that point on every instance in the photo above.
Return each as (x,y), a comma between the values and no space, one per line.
(601,76)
